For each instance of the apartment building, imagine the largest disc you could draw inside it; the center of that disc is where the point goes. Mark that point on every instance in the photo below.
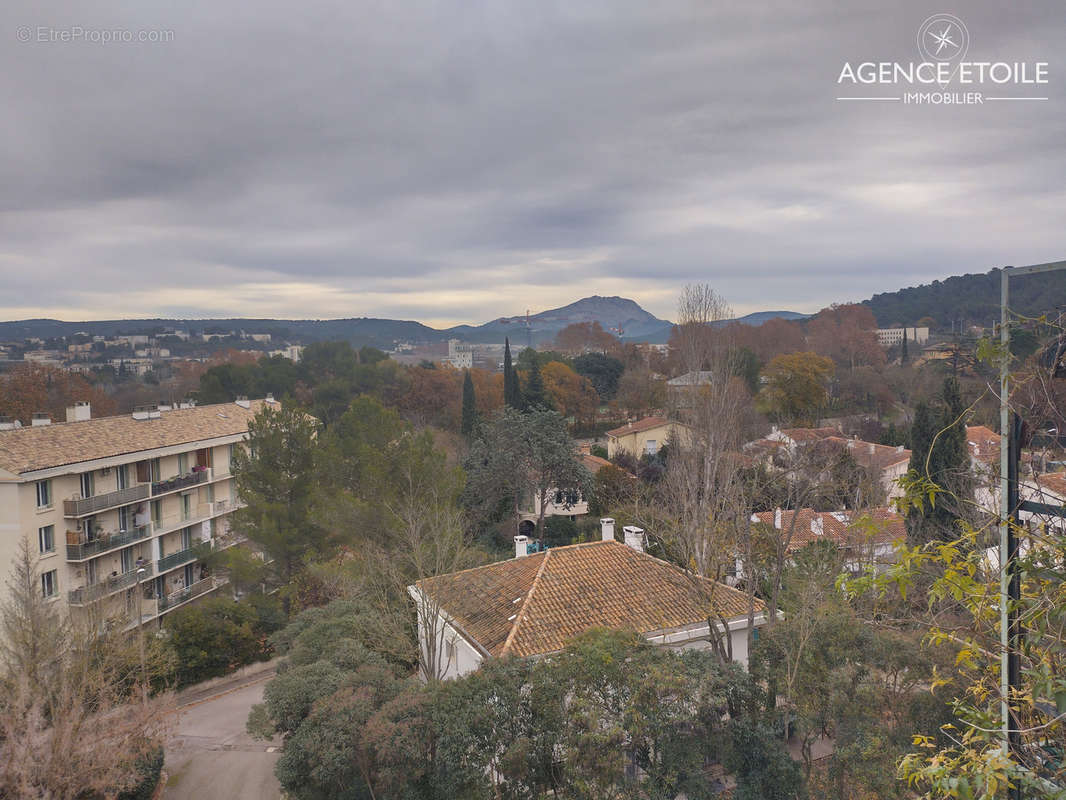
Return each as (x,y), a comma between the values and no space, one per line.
(120,510)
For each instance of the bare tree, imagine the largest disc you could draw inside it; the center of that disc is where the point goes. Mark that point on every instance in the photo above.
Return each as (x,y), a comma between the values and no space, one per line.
(73,720)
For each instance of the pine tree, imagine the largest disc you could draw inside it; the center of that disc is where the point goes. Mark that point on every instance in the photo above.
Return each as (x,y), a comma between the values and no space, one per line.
(469,405)
(533,397)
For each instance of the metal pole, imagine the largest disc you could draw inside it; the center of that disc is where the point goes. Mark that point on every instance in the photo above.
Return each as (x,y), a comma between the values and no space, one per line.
(1004,508)
(140,633)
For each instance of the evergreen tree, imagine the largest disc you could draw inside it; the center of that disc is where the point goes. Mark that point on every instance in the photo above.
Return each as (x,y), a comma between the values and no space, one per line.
(469,405)
(511,394)
(939,454)
(534,397)
(903,352)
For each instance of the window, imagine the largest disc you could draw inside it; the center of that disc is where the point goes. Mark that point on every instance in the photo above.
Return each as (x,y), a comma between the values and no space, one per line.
(186,538)
(157,474)
(46,539)
(44,494)
(157,512)
(183,463)
(122,476)
(124,519)
(651,447)
(49,584)
(85,481)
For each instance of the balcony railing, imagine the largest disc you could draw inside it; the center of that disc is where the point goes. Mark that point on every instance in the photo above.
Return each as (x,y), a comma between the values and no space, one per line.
(178,558)
(188,593)
(179,482)
(81,506)
(82,548)
(87,594)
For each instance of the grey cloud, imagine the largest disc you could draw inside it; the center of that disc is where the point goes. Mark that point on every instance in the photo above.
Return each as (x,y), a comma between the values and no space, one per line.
(384,152)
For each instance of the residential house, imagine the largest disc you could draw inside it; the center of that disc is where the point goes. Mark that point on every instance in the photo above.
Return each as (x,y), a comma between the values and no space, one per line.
(117,509)
(866,537)
(570,503)
(643,437)
(532,605)
(684,390)
(885,463)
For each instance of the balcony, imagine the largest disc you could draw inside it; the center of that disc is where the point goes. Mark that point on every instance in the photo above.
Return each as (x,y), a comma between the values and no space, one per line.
(88,594)
(178,558)
(201,586)
(196,514)
(179,482)
(79,547)
(83,506)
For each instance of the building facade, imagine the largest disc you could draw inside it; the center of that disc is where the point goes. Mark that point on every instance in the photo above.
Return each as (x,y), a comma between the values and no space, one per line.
(887,337)
(120,511)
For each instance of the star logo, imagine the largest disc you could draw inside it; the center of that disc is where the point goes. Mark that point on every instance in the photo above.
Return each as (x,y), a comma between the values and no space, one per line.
(943,37)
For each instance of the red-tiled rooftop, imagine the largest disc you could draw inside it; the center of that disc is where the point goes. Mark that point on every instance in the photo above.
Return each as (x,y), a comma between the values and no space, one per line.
(843,528)
(533,605)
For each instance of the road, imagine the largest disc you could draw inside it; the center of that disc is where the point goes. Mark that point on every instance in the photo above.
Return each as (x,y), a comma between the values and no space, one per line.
(211,757)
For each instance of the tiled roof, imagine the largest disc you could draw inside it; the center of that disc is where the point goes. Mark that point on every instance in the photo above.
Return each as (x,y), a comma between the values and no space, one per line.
(32,448)
(640,425)
(983,442)
(872,455)
(809,434)
(594,463)
(844,528)
(1052,483)
(533,605)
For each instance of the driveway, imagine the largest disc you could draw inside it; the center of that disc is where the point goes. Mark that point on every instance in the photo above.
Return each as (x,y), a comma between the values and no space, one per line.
(211,757)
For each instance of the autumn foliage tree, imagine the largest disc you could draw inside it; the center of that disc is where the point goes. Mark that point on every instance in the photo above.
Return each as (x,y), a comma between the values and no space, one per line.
(797,386)
(585,337)
(571,394)
(32,387)
(847,334)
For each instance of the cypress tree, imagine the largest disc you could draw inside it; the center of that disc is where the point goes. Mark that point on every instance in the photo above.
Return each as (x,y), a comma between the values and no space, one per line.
(469,405)
(903,352)
(511,396)
(938,441)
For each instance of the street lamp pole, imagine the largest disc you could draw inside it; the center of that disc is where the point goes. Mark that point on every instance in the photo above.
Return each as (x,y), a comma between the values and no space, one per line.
(140,630)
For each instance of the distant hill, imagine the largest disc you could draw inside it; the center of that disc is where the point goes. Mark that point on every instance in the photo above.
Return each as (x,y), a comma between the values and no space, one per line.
(618,314)
(969,298)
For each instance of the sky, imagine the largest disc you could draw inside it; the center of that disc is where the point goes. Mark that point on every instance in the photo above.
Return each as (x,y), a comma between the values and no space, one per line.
(460,161)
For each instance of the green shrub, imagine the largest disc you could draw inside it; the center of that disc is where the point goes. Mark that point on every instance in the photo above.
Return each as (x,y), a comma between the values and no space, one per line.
(218,635)
(149,768)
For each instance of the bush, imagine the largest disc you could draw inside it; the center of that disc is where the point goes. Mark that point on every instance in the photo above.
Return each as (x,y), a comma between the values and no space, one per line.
(219,635)
(559,531)
(149,768)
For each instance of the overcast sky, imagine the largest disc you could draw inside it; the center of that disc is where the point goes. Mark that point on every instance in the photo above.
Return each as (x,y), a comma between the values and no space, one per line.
(459,161)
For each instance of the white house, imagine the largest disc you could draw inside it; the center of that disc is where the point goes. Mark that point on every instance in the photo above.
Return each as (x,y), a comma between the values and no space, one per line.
(532,605)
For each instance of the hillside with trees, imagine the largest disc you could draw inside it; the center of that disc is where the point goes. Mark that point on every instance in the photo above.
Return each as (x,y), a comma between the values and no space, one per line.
(970,298)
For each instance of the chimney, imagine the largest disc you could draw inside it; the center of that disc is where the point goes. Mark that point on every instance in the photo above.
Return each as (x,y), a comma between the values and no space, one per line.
(851,444)
(270,398)
(634,537)
(773,430)
(40,419)
(817,525)
(872,448)
(521,546)
(607,529)
(777,518)
(8,424)
(899,448)
(164,406)
(81,411)
(243,401)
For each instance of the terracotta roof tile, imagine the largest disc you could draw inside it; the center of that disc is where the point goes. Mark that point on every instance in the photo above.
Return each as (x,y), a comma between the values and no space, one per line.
(533,605)
(27,449)
(594,463)
(844,528)
(640,425)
